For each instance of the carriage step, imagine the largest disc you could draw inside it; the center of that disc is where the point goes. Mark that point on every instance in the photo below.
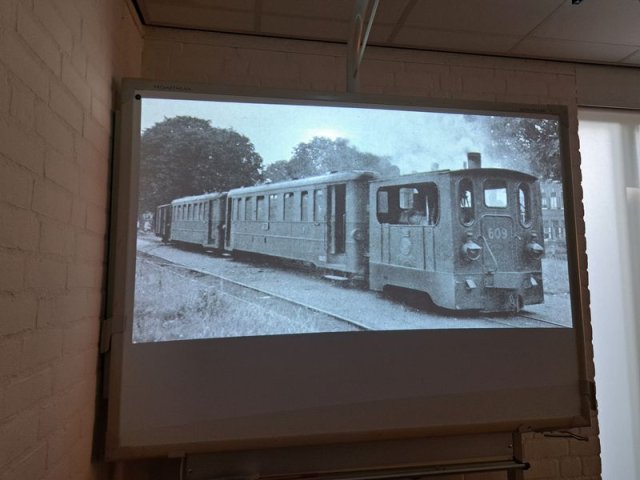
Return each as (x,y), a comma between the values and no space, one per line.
(336,278)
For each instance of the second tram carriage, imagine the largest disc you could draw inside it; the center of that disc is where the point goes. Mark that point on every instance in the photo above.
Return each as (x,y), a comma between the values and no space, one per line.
(471,239)
(320,220)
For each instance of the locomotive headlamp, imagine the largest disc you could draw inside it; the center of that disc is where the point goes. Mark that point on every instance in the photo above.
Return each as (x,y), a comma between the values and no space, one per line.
(534,249)
(470,249)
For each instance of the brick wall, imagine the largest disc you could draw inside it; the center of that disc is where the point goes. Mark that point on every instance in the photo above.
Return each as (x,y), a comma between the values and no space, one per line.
(229,60)
(59,60)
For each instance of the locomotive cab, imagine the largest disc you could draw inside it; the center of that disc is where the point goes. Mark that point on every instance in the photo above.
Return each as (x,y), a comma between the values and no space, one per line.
(497,223)
(471,239)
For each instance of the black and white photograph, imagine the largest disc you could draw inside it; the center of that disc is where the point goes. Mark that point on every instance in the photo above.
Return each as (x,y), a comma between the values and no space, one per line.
(276,218)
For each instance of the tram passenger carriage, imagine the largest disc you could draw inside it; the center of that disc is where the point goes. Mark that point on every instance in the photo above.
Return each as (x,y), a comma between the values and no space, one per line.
(319,220)
(471,239)
(198,219)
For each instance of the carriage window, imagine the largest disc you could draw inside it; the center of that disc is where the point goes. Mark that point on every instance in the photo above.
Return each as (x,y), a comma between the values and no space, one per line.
(319,206)
(408,205)
(465,201)
(261,212)
(304,206)
(273,206)
(288,206)
(495,193)
(189,212)
(524,204)
(239,208)
(247,208)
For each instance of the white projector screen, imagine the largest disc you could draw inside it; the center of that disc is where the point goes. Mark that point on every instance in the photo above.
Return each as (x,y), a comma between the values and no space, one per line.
(291,270)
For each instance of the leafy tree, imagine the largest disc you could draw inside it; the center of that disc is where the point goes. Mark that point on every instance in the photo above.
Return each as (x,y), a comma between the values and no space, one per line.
(184,155)
(517,141)
(322,155)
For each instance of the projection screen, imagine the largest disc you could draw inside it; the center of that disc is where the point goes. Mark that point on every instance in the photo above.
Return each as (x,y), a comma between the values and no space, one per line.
(293,269)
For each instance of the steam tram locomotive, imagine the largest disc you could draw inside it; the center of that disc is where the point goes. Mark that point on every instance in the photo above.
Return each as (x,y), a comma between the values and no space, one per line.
(471,239)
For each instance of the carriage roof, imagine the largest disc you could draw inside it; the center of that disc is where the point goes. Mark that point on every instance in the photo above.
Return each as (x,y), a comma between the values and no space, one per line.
(198,198)
(438,174)
(329,178)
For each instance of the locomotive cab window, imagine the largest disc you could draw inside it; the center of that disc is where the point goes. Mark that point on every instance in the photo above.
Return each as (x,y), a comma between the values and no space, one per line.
(495,193)
(466,202)
(383,203)
(408,205)
(525,210)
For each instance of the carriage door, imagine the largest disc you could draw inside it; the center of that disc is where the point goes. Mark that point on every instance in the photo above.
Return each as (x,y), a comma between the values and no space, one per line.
(337,220)
(211,222)
(226,219)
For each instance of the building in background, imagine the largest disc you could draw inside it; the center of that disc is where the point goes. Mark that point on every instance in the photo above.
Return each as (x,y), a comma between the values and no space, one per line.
(555,238)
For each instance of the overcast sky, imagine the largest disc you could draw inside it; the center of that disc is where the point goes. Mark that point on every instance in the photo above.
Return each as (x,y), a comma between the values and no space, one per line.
(413,140)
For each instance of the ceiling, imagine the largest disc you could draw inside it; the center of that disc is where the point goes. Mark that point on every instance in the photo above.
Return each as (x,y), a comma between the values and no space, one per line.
(594,31)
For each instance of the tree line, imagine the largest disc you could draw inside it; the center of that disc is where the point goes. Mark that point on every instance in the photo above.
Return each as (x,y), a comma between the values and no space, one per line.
(184,155)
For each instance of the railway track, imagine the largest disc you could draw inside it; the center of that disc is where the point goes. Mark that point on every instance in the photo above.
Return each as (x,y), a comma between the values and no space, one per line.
(515,321)
(274,303)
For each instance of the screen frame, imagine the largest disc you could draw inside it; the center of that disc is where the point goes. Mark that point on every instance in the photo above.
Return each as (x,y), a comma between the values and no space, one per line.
(122,250)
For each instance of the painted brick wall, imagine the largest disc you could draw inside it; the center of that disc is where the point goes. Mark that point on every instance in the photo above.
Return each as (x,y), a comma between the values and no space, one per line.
(228,60)
(59,61)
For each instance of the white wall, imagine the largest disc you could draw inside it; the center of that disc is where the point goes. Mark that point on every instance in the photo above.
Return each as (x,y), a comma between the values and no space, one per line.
(59,61)
(609,148)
